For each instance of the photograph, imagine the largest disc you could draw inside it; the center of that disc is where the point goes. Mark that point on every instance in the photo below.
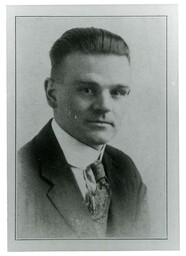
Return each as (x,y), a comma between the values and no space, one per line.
(91,97)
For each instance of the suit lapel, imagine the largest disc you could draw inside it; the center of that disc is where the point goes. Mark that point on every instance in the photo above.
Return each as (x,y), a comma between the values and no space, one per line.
(64,192)
(118,206)
(117,180)
(67,199)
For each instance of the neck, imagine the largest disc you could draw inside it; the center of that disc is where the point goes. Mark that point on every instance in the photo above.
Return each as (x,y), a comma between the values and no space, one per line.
(96,147)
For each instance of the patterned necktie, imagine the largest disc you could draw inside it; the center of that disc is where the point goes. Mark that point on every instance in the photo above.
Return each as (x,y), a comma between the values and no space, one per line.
(98,200)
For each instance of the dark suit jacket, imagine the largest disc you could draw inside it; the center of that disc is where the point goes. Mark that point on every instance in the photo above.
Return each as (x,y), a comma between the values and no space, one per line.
(50,205)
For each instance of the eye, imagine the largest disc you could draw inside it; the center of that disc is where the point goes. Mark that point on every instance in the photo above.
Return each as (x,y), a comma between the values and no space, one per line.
(119,92)
(87,91)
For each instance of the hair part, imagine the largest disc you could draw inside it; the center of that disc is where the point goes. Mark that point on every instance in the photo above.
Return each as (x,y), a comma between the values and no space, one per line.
(88,41)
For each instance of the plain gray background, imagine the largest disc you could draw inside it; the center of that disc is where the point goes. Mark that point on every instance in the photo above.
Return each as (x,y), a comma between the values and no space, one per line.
(143,133)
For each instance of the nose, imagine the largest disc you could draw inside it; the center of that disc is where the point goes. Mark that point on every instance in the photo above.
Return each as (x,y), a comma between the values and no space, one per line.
(103,102)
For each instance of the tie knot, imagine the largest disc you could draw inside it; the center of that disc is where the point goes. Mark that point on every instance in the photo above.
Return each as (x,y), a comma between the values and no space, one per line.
(98,170)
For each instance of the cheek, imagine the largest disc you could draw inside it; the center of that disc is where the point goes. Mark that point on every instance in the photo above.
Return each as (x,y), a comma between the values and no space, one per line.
(75,109)
(119,112)
(79,106)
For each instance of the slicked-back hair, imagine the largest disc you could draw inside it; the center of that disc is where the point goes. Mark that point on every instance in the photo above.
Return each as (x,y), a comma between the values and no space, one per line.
(88,41)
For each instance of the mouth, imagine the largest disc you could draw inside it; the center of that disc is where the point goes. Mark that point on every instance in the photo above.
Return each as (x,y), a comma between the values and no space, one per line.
(101,122)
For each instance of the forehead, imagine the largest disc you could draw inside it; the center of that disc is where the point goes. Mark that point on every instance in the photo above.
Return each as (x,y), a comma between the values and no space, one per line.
(98,68)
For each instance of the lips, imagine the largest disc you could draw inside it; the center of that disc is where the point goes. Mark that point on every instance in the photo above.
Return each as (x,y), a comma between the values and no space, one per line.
(101,122)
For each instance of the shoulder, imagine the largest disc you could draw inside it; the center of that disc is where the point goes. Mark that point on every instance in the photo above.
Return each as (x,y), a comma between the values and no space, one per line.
(29,150)
(27,166)
(27,153)
(126,167)
(119,157)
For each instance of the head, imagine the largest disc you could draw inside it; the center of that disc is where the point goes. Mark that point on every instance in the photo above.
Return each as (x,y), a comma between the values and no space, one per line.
(89,84)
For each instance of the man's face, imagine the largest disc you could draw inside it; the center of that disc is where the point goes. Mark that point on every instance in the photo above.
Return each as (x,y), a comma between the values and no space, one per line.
(91,96)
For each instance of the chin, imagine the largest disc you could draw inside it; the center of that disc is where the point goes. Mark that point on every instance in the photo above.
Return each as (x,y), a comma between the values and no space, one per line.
(95,138)
(100,140)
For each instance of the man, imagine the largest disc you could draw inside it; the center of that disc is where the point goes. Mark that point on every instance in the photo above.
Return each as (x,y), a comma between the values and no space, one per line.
(70,183)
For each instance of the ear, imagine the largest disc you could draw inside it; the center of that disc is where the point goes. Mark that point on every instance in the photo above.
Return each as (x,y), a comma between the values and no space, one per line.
(50,91)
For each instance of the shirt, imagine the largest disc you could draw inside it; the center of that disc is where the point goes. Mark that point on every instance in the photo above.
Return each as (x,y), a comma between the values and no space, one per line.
(77,154)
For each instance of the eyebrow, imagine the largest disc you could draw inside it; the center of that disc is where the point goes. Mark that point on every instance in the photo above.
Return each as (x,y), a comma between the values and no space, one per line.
(93,83)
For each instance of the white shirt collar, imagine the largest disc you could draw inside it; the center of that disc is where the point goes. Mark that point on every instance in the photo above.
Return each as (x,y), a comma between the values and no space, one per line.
(77,154)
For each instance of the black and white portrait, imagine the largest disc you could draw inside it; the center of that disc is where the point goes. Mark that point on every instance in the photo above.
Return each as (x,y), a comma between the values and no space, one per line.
(91,127)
